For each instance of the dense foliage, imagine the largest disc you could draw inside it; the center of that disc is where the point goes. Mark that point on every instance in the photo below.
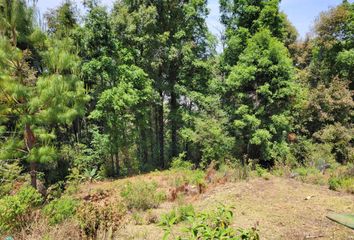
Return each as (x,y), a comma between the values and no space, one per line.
(118,92)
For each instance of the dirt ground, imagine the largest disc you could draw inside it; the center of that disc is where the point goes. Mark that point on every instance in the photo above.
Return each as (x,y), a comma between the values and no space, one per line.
(280,208)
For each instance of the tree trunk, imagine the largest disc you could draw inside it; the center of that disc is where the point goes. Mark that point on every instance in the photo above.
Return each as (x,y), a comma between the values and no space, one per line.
(117,164)
(33,173)
(173,120)
(161,131)
(144,145)
(174,108)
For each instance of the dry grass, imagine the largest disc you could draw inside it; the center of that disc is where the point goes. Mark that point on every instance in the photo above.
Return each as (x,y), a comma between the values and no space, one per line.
(276,205)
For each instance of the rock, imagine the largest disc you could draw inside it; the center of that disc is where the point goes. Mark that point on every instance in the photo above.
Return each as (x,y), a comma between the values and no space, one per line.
(309,197)
(294,175)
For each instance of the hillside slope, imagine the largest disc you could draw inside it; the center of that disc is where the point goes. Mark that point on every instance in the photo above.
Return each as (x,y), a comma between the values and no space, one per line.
(282,209)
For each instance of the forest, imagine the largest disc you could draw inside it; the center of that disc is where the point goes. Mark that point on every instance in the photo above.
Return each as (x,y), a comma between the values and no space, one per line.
(107,115)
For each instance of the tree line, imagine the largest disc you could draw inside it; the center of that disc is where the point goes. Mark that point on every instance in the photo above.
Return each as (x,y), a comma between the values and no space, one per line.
(126,90)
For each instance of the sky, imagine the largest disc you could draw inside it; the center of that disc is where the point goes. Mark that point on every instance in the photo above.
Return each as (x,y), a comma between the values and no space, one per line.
(301,13)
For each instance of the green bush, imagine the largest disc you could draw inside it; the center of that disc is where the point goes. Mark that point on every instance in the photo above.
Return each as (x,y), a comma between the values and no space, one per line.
(344,182)
(194,177)
(180,163)
(142,195)
(60,209)
(8,174)
(334,183)
(13,209)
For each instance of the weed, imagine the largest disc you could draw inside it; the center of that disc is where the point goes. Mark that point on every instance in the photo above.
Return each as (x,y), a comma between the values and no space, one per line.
(151,217)
(137,218)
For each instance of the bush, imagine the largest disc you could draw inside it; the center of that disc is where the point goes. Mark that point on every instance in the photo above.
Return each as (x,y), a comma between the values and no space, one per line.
(60,209)
(342,179)
(9,172)
(13,209)
(180,163)
(142,195)
(311,175)
(334,183)
(100,219)
(194,177)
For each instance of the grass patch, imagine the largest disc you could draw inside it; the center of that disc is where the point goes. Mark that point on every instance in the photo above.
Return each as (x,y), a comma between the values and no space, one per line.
(142,195)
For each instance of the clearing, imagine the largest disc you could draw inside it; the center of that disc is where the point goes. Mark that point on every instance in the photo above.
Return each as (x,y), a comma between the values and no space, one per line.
(281,208)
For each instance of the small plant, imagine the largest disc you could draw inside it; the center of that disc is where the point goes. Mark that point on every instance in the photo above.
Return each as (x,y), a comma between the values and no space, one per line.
(211,225)
(175,216)
(142,195)
(184,212)
(14,209)
(262,172)
(168,219)
(91,175)
(60,209)
(151,217)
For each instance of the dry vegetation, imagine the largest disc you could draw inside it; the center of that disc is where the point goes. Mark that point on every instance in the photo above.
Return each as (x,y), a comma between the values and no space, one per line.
(279,207)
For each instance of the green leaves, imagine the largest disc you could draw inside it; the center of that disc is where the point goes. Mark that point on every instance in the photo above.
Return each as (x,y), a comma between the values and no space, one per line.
(262,89)
(14,208)
(210,225)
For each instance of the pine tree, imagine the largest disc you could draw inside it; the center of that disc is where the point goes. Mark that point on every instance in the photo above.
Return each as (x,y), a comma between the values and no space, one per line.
(262,97)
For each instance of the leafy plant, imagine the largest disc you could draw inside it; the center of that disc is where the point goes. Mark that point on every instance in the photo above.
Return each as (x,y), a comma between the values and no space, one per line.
(60,209)
(14,209)
(212,225)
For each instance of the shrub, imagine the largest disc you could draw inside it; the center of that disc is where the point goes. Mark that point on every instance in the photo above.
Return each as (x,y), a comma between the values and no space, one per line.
(334,183)
(342,178)
(142,195)
(95,219)
(231,172)
(179,163)
(194,177)
(13,209)
(60,209)
(311,175)
(55,191)
(8,174)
